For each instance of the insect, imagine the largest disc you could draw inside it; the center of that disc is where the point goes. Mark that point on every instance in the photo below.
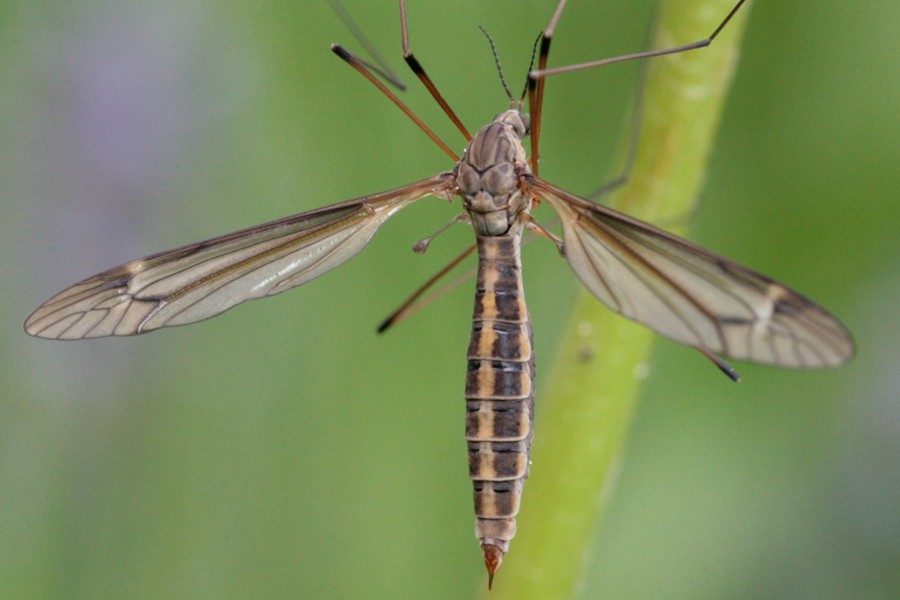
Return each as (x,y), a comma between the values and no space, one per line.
(678,289)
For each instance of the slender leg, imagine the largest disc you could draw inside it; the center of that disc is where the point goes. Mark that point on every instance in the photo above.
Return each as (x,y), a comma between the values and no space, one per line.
(380,66)
(423,76)
(537,77)
(352,60)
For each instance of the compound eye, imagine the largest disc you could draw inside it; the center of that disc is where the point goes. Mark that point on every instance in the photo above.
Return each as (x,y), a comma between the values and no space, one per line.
(526,122)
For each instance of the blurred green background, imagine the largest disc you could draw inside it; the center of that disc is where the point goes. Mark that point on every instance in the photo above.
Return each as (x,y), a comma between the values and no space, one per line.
(286,450)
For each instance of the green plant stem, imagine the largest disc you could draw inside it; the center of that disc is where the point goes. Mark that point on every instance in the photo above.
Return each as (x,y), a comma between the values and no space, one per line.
(589,394)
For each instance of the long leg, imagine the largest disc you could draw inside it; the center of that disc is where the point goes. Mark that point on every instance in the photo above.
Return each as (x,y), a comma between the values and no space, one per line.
(537,77)
(380,66)
(355,62)
(412,304)
(423,76)
(366,70)
(536,86)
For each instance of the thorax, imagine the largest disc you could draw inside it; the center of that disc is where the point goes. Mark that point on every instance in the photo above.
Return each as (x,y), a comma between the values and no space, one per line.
(489,175)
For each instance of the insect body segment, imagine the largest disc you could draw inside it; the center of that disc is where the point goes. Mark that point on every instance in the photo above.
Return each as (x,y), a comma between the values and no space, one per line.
(488,176)
(500,377)
(499,393)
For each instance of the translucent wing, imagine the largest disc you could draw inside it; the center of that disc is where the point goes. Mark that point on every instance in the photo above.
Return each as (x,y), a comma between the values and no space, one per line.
(201,280)
(690,294)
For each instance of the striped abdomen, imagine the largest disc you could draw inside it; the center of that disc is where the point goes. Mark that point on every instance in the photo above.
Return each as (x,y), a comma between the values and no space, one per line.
(499,393)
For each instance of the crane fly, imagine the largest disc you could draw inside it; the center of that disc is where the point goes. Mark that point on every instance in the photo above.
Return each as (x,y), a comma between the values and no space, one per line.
(676,288)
